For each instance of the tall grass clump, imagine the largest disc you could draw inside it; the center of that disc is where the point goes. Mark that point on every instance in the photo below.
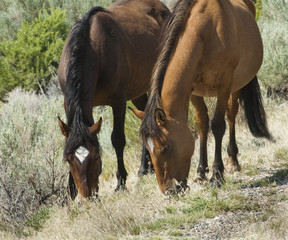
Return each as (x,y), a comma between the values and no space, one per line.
(32,173)
(273,26)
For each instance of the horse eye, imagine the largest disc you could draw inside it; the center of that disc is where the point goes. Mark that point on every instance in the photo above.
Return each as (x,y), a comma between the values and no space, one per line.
(165,149)
(69,158)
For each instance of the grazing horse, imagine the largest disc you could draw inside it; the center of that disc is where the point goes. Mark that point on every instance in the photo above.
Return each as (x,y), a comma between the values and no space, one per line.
(107,59)
(211,48)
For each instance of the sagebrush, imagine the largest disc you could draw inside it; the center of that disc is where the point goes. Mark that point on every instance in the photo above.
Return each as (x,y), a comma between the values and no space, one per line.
(31,168)
(273,26)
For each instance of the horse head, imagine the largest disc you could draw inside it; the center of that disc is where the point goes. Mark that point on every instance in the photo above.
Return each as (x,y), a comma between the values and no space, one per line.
(83,158)
(170,148)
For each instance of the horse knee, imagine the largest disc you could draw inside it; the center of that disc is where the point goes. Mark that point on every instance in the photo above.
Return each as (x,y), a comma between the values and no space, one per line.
(218,127)
(118,140)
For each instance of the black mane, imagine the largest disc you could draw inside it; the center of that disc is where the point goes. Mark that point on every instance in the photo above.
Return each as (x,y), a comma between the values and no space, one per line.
(172,29)
(79,40)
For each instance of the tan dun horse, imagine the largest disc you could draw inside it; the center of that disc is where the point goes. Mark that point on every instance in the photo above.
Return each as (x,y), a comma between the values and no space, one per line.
(107,59)
(211,48)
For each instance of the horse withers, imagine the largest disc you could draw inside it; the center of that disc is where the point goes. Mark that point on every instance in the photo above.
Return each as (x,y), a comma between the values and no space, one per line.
(107,59)
(211,48)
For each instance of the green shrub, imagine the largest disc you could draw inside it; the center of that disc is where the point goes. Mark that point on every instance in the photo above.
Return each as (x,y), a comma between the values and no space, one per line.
(32,59)
(13,12)
(258,6)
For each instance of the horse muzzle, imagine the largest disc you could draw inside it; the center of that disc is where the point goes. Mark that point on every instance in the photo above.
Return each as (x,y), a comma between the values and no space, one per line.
(176,188)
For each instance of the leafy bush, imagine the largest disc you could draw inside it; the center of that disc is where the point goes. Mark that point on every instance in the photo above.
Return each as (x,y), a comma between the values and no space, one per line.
(13,12)
(273,26)
(32,59)
(258,5)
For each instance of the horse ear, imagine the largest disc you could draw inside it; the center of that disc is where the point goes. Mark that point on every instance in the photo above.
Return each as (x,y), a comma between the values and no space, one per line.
(65,129)
(160,116)
(95,128)
(139,114)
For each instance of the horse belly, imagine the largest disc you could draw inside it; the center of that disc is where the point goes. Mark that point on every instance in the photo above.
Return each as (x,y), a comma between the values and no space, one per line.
(138,86)
(205,84)
(248,66)
(250,47)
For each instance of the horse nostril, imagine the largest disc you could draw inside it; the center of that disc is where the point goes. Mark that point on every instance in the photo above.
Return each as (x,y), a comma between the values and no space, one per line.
(178,189)
(182,188)
(94,196)
(171,192)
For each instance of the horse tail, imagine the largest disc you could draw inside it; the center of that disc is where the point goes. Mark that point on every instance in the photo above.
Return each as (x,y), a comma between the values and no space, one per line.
(78,42)
(251,100)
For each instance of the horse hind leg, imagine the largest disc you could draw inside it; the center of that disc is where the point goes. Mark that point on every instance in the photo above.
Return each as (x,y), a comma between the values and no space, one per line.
(118,142)
(218,127)
(146,163)
(202,120)
(232,164)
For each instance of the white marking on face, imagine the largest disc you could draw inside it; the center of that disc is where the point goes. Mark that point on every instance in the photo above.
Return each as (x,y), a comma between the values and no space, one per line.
(81,153)
(150,144)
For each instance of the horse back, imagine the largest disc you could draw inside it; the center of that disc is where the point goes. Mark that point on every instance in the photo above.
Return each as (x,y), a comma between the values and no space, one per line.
(127,39)
(119,52)
(64,59)
(219,35)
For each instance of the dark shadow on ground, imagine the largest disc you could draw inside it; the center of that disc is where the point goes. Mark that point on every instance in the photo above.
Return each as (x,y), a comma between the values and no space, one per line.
(280,177)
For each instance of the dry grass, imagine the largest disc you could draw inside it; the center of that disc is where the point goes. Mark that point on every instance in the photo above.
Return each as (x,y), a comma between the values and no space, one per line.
(144,213)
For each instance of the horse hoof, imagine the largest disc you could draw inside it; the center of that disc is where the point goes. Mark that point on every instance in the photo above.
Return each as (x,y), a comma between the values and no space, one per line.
(232,166)
(142,172)
(215,183)
(120,188)
(201,179)
(217,180)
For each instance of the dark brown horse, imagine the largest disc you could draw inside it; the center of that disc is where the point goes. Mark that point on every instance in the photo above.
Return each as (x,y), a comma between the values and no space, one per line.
(107,59)
(212,48)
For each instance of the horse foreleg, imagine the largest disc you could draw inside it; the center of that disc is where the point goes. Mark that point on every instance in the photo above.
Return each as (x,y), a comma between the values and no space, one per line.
(146,163)
(232,164)
(118,142)
(202,120)
(72,187)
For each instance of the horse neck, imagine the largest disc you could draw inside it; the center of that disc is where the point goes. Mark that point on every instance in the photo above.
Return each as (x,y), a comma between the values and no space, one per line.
(175,99)
(177,84)
(181,70)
